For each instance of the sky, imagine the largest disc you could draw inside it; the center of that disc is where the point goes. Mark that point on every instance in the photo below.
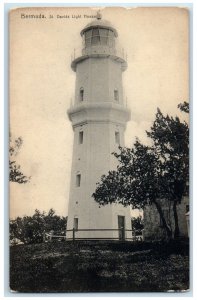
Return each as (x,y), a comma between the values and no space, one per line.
(42,88)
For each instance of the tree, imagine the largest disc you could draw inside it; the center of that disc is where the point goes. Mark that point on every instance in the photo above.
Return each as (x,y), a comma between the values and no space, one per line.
(137,225)
(15,173)
(148,174)
(171,140)
(30,229)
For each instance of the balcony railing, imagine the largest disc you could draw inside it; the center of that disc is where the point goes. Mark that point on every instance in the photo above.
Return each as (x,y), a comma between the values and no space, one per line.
(116,51)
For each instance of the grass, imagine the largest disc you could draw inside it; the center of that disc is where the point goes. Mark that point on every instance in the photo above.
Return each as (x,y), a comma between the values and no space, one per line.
(99,267)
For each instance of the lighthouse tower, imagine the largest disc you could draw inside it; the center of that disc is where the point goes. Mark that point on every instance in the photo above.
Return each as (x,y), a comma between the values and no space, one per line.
(99,116)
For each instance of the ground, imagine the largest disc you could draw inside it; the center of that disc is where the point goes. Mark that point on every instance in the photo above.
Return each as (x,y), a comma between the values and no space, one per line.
(99,267)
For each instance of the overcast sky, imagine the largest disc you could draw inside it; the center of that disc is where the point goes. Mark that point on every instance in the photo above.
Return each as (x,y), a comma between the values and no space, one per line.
(42,86)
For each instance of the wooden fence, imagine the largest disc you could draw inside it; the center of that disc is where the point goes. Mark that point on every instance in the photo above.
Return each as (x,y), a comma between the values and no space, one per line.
(131,236)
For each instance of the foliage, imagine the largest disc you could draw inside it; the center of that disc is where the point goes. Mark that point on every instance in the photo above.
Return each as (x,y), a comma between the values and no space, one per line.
(30,229)
(184,107)
(148,173)
(15,173)
(171,141)
(137,225)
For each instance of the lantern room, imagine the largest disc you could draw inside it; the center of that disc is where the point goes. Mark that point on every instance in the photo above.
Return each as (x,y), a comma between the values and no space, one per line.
(99,33)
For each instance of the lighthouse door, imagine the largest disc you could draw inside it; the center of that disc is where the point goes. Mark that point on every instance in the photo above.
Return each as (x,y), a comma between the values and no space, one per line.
(121,227)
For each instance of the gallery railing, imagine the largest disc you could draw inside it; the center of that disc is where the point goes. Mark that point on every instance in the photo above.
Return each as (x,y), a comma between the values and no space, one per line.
(117,51)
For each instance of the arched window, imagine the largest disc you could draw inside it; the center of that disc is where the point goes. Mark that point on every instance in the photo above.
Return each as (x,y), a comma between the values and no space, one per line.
(81,94)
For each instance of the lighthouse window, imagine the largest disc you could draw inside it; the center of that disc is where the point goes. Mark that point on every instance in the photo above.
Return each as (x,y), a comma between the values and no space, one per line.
(81,94)
(117,137)
(81,137)
(116,95)
(78,180)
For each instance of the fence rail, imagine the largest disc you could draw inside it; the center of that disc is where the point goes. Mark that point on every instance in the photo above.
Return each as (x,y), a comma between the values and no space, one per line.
(120,236)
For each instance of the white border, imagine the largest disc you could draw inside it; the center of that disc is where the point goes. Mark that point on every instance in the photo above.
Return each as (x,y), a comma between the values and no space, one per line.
(92,3)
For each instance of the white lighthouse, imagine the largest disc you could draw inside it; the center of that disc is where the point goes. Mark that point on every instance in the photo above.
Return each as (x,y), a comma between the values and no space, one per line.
(99,116)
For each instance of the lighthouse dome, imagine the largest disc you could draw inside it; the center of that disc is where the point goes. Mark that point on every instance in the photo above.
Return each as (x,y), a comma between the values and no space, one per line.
(99,23)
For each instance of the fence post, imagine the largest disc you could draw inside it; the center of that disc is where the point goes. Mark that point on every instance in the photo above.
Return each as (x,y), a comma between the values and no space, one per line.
(73,234)
(123,237)
(134,235)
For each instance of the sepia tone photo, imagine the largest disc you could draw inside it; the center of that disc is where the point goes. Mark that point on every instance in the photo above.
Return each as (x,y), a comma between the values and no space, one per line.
(99,149)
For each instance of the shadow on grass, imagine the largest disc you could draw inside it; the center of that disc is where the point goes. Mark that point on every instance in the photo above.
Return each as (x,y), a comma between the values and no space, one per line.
(100,267)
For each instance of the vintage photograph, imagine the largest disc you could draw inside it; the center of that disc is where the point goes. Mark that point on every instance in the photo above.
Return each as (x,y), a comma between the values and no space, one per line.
(99,149)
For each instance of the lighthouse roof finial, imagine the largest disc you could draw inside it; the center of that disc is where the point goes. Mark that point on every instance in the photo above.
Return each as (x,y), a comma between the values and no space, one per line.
(98,15)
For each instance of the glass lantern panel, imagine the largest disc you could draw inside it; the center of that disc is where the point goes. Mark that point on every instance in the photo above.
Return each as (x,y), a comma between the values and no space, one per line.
(95,36)
(88,33)
(95,32)
(111,42)
(111,38)
(103,32)
(104,36)
(104,40)
(95,40)
(111,33)
(88,42)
